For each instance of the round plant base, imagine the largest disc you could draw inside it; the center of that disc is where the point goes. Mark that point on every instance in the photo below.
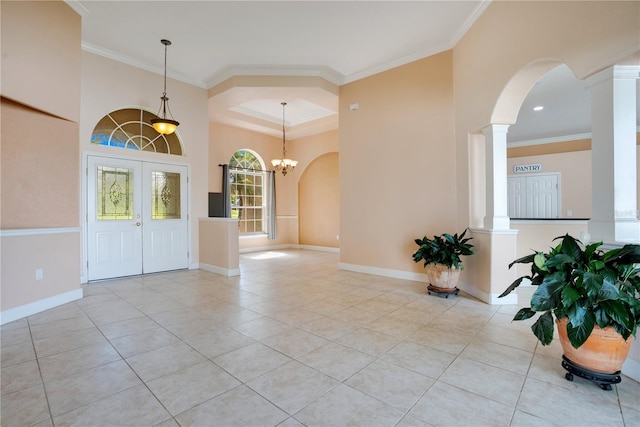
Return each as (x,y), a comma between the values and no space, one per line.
(442,292)
(603,380)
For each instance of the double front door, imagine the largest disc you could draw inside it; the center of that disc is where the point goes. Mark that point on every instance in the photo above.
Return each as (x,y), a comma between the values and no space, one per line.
(136,217)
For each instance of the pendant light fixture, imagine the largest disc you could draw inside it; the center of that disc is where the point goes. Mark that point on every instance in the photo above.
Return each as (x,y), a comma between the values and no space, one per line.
(284,165)
(163,124)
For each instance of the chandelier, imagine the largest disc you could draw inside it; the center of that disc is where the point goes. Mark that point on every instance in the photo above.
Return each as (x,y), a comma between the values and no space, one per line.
(162,124)
(285,165)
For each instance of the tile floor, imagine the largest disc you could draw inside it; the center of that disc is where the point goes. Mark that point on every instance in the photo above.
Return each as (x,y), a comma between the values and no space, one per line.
(294,341)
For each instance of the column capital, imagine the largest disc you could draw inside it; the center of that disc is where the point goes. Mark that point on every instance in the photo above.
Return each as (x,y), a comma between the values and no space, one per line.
(495,128)
(615,72)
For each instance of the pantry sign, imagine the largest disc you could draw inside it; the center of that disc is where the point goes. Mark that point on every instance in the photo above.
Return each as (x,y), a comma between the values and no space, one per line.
(528,168)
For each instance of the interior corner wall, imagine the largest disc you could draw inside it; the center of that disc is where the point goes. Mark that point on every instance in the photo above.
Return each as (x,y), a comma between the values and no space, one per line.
(397,163)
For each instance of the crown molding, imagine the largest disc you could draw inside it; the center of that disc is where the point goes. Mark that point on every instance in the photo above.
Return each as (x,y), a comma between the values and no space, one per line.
(550,140)
(97,50)
(275,70)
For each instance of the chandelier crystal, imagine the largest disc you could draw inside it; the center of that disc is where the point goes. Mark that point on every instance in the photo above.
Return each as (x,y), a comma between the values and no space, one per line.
(284,165)
(163,124)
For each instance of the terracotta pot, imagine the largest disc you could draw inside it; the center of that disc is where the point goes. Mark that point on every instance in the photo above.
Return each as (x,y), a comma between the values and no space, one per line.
(443,277)
(604,351)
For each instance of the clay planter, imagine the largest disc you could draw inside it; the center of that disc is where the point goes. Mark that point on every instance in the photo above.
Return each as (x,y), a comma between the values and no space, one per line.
(604,351)
(443,277)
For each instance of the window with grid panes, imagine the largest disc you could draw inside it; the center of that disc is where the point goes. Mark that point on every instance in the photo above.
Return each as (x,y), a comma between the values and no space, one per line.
(248,202)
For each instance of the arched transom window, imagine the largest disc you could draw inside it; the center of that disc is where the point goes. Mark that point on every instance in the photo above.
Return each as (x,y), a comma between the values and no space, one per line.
(248,201)
(131,128)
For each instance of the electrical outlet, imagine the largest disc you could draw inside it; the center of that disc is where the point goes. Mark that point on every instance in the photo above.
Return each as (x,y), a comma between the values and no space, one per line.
(39,274)
(337,237)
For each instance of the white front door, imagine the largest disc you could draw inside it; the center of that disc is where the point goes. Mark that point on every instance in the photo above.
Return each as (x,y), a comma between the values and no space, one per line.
(165,239)
(136,217)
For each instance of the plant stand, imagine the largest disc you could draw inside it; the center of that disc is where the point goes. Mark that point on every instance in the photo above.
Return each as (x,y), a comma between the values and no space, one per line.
(604,380)
(442,292)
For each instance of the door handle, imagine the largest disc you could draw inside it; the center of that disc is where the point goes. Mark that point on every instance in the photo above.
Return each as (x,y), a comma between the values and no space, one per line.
(137,224)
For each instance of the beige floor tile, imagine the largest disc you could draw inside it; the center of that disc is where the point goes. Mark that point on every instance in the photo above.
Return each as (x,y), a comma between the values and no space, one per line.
(369,341)
(419,358)
(356,315)
(16,324)
(446,405)
(345,406)
(553,403)
(631,416)
(522,419)
(411,421)
(81,359)
(16,353)
(44,330)
(292,386)
(442,339)
(164,360)
(336,360)
(127,327)
(493,383)
(64,312)
(135,406)
(294,342)
(550,370)
(262,327)
(89,386)
(20,376)
(25,407)
(415,315)
(15,335)
(396,386)
(250,362)
(143,342)
(191,386)
(238,407)
(68,341)
(219,341)
(629,392)
(524,340)
(328,328)
(393,326)
(290,422)
(498,355)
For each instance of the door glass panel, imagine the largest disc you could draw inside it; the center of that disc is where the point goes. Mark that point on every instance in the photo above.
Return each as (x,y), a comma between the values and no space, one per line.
(115,194)
(165,193)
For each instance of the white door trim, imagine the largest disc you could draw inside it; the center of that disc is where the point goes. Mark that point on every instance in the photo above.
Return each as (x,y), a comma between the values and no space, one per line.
(84,200)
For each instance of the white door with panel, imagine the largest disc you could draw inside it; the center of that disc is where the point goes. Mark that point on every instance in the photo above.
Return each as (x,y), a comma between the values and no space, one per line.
(136,217)
(534,196)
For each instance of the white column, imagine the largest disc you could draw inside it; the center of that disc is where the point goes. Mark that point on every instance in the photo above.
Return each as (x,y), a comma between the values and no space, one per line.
(496,169)
(614,208)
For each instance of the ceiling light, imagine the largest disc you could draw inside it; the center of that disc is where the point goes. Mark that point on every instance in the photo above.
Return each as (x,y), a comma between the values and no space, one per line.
(538,108)
(162,124)
(285,165)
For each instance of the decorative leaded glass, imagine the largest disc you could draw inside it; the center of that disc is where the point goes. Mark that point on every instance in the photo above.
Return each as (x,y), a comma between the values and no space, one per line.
(131,128)
(165,202)
(115,194)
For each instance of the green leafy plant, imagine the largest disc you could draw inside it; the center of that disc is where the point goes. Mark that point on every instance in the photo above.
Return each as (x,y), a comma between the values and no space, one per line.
(585,284)
(445,249)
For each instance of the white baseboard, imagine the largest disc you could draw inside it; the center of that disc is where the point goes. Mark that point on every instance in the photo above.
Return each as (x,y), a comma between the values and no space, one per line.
(38,306)
(267,248)
(385,272)
(631,368)
(319,248)
(229,272)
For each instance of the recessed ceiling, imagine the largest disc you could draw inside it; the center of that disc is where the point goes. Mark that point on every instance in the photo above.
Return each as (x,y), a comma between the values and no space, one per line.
(214,42)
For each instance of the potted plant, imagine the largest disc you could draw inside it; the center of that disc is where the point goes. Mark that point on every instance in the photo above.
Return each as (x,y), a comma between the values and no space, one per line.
(595,298)
(441,257)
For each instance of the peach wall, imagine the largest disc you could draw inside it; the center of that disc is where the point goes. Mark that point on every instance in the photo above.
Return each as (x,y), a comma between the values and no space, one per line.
(41,60)
(40,173)
(319,201)
(133,87)
(397,163)
(219,250)
(575,178)
(58,255)
(40,183)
